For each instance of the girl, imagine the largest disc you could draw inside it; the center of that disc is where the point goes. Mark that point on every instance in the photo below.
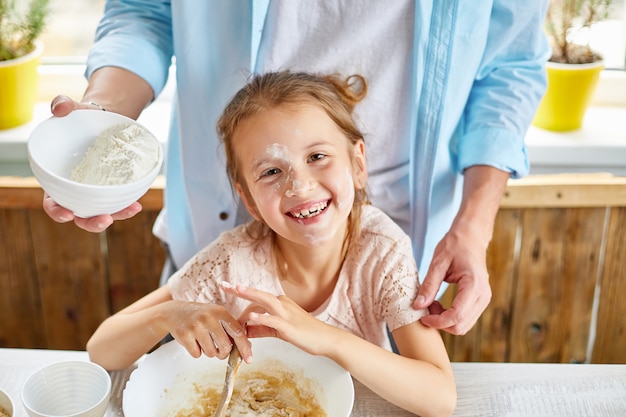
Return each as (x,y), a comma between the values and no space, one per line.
(317,266)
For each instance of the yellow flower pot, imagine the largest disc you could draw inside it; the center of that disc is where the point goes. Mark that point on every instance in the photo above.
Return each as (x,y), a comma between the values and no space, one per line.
(19,82)
(570,90)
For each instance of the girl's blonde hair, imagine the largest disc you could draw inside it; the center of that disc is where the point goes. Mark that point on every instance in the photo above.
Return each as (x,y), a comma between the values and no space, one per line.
(336,96)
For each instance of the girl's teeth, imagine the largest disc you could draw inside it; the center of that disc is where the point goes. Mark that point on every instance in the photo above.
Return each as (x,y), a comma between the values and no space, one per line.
(311,211)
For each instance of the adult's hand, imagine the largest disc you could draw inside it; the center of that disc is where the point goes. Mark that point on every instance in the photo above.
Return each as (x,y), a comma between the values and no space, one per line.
(460,260)
(94,224)
(62,106)
(461,256)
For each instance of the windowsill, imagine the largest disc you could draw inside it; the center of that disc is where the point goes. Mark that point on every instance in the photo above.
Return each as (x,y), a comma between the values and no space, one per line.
(599,146)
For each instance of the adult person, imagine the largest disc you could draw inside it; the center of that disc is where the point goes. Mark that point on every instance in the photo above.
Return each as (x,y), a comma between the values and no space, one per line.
(453,88)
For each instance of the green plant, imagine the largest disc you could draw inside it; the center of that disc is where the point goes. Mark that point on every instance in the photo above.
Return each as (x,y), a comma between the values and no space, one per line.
(20,26)
(566,19)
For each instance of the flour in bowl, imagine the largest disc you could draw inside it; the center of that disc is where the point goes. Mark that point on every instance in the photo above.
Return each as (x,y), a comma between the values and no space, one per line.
(121,154)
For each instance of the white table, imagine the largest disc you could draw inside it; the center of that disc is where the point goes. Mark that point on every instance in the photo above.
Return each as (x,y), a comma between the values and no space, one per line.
(484,389)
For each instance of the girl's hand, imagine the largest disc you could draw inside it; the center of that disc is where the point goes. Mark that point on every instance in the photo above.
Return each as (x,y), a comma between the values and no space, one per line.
(279,316)
(207,328)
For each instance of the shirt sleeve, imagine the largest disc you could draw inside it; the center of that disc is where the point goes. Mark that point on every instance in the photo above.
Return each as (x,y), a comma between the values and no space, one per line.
(198,280)
(136,36)
(399,286)
(509,84)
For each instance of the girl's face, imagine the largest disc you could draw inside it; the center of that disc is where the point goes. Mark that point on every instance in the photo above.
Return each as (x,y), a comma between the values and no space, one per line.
(301,172)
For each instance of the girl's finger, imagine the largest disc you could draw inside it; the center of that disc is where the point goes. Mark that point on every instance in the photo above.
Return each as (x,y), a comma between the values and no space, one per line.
(206,342)
(190,344)
(244,317)
(269,301)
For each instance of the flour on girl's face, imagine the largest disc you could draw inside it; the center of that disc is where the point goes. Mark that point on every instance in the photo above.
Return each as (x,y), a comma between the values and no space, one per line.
(348,195)
(280,154)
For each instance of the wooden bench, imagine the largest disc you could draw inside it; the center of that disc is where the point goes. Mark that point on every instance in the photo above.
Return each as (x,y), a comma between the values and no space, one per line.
(556,264)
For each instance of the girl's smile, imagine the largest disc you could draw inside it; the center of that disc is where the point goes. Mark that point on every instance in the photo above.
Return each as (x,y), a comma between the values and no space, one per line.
(310,211)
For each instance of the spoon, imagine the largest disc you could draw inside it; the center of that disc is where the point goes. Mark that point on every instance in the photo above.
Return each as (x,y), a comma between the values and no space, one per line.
(234,360)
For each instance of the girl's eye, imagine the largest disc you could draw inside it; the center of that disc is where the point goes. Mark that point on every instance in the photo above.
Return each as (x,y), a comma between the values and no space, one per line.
(317,157)
(270,172)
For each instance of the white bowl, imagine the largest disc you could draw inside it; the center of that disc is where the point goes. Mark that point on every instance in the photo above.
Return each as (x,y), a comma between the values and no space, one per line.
(166,379)
(6,403)
(67,389)
(58,144)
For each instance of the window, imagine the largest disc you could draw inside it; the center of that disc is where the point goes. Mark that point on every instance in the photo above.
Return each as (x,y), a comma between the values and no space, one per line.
(72,24)
(70,30)
(609,37)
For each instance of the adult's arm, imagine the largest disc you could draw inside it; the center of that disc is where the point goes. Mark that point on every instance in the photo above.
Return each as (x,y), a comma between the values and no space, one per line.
(116,90)
(460,257)
(127,67)
(508,86)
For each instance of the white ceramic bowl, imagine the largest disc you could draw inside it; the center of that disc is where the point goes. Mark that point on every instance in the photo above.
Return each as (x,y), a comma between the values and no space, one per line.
(6,403)
(58,144)
(67,389)
(165,380)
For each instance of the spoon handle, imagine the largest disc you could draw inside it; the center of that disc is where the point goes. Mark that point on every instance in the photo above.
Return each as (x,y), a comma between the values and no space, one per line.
(234,360)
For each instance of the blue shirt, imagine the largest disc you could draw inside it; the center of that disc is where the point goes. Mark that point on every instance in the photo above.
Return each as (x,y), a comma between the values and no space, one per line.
(479,73)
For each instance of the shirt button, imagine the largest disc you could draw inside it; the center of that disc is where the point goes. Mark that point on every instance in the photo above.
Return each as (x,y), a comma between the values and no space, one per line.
(223,215)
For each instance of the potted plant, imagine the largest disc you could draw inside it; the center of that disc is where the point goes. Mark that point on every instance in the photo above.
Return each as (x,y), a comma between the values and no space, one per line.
(574,68)
(20,27)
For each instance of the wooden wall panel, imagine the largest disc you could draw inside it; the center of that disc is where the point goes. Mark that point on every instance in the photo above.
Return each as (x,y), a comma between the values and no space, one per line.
(558,265)
(610,342)
(57,282)
(72,281)
(135,259)
(502,264)
(488,341)
(19,286)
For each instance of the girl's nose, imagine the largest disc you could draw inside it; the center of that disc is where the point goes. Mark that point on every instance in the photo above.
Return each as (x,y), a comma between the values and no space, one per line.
(298,185)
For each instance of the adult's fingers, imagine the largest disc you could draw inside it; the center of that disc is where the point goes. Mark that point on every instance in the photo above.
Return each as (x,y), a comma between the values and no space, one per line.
(432,282)
(466,309)
(60,214)
(95,224)
(100,223)
(128,212)
(56,212)
(62,106)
